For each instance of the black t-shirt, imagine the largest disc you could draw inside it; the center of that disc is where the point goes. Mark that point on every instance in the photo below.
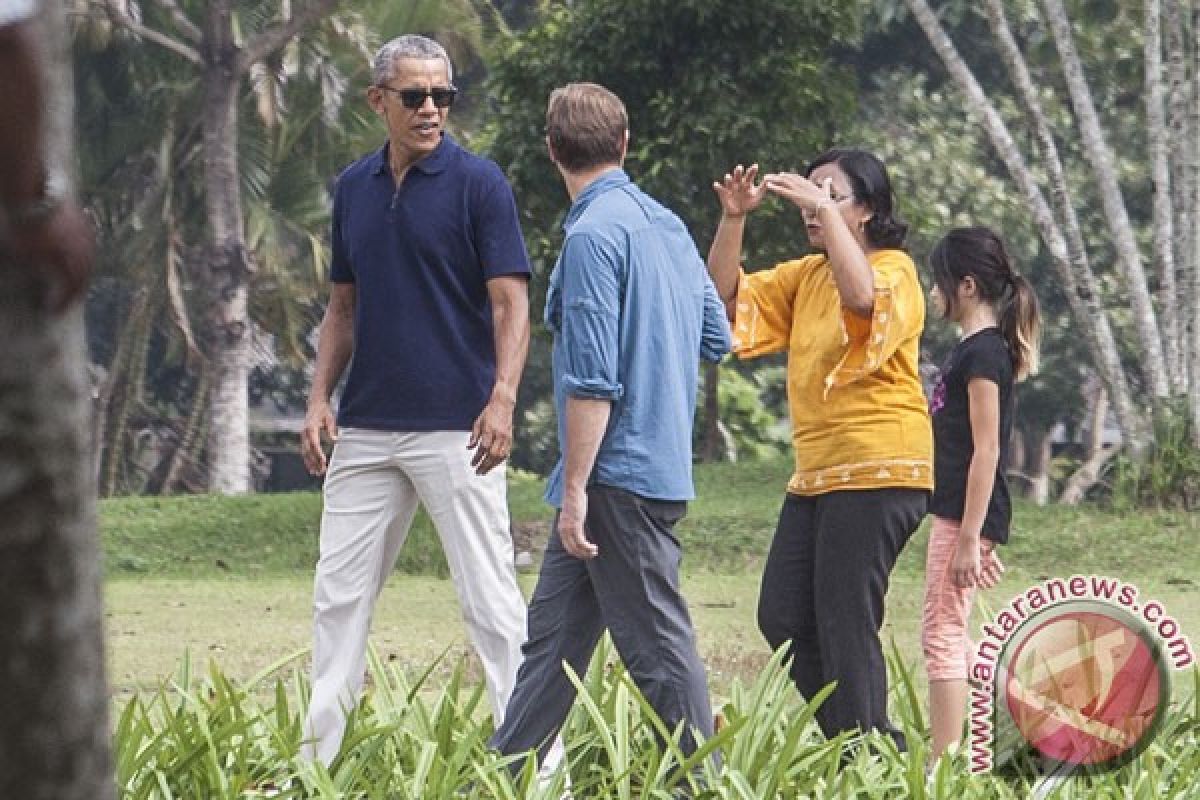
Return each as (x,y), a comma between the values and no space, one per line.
(983,354)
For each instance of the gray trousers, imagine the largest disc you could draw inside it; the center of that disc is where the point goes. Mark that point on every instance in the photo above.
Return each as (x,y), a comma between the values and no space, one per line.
(631,588)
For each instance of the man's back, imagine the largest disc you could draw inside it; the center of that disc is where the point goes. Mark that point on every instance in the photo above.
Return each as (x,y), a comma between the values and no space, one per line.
(630,266)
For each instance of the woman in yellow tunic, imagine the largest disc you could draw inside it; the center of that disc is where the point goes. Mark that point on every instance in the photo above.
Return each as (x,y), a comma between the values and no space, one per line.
(850,318)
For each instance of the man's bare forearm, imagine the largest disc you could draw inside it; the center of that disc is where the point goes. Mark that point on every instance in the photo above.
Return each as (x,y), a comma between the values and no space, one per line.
(587,420)
(510,324)
(335,346)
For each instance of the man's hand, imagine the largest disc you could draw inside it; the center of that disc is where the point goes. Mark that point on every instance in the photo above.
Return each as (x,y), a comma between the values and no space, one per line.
(491,435)
(571,529)
(318,420)
(61,245)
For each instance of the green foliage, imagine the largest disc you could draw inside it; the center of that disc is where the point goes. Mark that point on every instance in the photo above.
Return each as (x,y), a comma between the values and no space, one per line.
(750,425)
(1169,477)
(947,174)
(301,118)
(213,739)
(706,85)
(952,179)
(538,437)
(754,430)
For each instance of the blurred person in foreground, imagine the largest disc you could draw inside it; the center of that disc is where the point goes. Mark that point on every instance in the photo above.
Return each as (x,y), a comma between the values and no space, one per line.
(54,732)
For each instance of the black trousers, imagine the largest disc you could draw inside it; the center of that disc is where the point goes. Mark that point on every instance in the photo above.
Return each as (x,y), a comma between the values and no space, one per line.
(823,591)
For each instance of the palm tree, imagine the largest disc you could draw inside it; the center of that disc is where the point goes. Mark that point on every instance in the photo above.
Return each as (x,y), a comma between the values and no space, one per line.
(177,314)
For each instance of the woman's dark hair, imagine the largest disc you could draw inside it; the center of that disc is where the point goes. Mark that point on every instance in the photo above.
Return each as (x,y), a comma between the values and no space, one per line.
(979,253)
(869,181)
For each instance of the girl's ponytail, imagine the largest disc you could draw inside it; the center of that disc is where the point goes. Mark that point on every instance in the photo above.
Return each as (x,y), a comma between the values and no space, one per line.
(1021,325)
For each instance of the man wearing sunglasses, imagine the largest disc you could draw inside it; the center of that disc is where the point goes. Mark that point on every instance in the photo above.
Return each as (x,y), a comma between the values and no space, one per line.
(429,309)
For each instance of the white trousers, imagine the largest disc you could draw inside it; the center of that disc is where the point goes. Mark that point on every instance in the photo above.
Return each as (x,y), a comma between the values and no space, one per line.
(374,483)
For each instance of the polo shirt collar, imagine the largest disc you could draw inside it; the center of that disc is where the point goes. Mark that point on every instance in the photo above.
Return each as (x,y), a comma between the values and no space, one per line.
(612,179)
(435,162)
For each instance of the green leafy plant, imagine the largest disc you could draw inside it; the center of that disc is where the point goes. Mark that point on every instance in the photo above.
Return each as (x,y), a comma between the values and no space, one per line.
(1169,477)
(209,738)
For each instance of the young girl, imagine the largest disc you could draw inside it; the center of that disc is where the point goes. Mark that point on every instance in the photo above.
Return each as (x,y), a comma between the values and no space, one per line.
(972,407)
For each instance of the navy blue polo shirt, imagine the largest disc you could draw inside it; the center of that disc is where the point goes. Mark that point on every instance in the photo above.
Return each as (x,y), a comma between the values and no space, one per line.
(420,256)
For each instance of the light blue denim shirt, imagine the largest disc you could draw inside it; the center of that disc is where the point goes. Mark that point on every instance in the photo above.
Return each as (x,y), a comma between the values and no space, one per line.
(633,311)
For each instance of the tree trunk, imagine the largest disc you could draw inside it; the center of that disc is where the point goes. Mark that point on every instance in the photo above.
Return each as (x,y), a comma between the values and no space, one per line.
(1082,294)
(1017,460)
(1040,453)
(1181,154)
(1096,454)
(229,263)
(1163,213)
(1099,155)
(223,62)
(54,735)
(1192,182)
(185,452)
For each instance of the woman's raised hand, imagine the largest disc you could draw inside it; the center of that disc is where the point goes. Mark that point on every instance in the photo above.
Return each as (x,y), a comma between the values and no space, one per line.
(738,193)
(799,189)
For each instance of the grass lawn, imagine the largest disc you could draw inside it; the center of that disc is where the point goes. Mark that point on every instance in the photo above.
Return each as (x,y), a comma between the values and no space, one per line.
(230,578)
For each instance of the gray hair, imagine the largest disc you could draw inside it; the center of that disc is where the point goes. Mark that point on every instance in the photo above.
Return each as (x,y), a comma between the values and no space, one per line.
(410,45)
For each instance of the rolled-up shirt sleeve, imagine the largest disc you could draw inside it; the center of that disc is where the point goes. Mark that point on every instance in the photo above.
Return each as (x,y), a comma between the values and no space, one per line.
(898,315)
(591,303)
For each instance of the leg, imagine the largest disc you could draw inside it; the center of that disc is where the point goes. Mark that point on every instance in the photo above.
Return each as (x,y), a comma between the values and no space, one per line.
(470,513)
(564,626)
(636,578)
(944,638)
(859,536)
(368,506)
(785,603)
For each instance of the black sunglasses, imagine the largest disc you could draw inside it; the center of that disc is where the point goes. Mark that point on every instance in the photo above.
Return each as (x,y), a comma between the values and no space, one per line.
(415,98)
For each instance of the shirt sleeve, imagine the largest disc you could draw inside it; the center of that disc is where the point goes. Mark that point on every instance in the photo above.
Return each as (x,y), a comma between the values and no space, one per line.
(340,270)
(591,292)
(14,11)
(763,315)
(497,229)
(897,316)
(715,336)
(989,360)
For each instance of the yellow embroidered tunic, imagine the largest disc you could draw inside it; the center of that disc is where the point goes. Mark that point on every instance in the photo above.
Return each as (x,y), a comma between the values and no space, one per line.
(859,415)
